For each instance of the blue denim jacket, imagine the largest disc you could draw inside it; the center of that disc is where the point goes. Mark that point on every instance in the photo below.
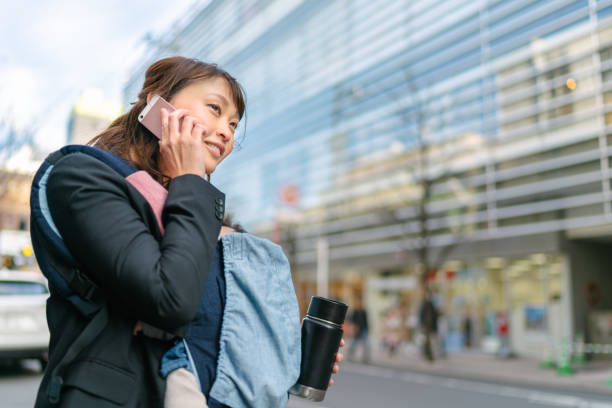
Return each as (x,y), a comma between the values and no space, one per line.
(260,341)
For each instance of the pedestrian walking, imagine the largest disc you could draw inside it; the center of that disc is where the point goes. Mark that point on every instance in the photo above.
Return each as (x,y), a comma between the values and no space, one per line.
(359,320)
(393,329)
(467,330)
(428,320)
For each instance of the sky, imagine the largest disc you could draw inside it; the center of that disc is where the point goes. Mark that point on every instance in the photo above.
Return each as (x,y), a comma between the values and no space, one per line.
(53,50)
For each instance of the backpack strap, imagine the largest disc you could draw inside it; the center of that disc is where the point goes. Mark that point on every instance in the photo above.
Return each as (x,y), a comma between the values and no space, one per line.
(91,331)
(111,160)
(67,279)
(61,268)
(55,260)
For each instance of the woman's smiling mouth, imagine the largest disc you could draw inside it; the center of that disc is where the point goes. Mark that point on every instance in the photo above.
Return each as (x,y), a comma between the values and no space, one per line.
(215,148)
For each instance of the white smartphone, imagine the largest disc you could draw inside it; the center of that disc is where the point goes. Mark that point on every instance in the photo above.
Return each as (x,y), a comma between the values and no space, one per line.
(150,116)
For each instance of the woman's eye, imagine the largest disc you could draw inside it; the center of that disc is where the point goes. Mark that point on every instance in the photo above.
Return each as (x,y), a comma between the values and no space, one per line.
(234,125)
(215,107)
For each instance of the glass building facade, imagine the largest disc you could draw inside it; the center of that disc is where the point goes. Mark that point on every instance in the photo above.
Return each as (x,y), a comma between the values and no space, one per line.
(507,103)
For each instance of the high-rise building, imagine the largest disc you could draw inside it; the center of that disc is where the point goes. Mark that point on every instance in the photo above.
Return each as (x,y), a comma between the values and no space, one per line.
(91,114)
(16,175)
(483,123)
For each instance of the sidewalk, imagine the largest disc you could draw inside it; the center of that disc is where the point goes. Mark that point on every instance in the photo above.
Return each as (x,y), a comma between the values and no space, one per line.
(591,377)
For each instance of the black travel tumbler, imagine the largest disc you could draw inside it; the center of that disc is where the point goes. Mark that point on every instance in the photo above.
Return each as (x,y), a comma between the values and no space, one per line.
(321,336)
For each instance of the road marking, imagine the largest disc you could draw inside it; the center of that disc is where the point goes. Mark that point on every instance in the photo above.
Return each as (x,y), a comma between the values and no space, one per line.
(534,397)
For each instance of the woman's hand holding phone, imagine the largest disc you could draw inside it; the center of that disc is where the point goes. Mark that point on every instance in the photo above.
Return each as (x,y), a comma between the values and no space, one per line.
(180,146)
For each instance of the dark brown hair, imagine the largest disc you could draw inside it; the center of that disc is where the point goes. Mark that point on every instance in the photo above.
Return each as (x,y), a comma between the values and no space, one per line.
(229,222)
(127,138)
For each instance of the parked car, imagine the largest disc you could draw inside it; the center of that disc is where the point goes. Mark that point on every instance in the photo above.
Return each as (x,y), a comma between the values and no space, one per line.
(23,324)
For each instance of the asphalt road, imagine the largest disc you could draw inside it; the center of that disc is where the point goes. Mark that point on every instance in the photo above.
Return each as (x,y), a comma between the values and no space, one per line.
(19,384)
(359,386)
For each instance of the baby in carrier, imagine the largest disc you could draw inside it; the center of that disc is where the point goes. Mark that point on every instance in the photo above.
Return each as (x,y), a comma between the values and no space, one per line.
(243,347)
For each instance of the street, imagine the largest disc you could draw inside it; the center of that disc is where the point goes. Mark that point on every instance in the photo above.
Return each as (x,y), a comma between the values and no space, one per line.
(360,386)
(19,384)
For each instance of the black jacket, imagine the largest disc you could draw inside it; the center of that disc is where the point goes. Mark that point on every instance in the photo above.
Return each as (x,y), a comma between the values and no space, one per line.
(359,318)
(112,232)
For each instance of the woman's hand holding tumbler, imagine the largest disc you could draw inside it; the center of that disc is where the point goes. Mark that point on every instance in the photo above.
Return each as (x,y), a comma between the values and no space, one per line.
(321,343)
(339,358)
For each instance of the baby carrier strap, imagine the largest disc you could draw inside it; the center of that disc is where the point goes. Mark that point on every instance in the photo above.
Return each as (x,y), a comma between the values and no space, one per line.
(55,260)
(60,267)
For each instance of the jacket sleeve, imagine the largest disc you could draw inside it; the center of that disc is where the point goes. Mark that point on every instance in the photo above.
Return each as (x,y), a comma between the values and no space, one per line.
(160,283)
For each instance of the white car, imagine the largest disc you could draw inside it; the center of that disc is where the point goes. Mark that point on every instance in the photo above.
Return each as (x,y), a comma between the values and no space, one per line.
(23,323)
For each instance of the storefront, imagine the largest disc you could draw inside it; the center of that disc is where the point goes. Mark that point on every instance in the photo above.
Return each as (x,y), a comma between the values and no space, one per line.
(483,304)
(495,301)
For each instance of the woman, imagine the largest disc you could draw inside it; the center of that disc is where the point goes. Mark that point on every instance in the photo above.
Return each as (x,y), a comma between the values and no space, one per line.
(111,230)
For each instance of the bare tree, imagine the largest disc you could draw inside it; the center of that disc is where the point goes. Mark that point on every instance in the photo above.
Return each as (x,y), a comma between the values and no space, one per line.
(427,176)
(12,138)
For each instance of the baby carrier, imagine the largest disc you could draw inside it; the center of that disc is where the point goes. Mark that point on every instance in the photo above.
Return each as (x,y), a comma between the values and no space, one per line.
(260,300)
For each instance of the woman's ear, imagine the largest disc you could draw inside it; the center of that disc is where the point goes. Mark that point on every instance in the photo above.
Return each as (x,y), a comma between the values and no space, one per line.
(149,96)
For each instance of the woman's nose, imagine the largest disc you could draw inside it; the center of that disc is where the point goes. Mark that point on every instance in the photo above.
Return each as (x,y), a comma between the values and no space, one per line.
(224,131)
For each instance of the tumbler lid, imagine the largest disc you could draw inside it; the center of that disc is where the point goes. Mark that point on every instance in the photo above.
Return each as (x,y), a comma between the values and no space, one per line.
(327,309)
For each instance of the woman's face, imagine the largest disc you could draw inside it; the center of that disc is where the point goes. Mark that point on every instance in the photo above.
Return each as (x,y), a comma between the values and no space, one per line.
(210,102)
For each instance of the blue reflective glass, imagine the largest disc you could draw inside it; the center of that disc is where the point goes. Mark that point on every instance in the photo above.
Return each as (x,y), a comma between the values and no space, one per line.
(536,25)
(604,12)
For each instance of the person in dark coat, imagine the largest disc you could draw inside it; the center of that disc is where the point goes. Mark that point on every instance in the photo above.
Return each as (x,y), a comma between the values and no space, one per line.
(428,320)
(359,319)
(112,232)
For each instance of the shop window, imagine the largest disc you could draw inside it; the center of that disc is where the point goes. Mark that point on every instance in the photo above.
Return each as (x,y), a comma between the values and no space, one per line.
(575,169)
(608,115)
(605,54)
(567,150)
(606,76)
(557,92)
